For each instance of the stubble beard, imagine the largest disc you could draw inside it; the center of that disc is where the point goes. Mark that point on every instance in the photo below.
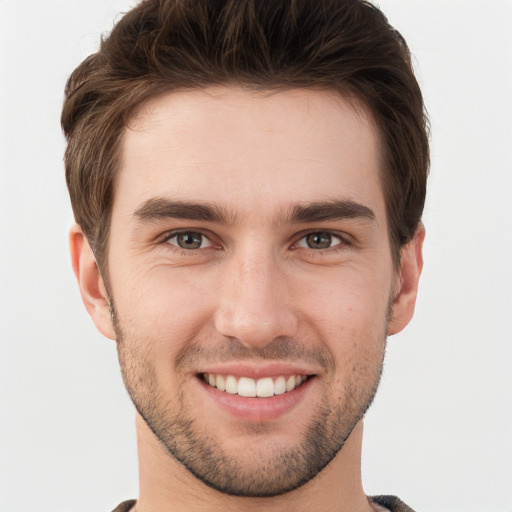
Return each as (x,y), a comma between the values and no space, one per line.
(179,431)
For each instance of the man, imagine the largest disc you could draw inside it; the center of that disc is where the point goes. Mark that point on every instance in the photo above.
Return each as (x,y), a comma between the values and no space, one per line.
(248,180)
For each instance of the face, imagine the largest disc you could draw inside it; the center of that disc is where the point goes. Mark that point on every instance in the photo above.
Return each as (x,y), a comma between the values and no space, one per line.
(251,280)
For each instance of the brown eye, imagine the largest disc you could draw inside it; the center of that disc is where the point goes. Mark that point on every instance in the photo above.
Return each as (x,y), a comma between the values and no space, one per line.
(319,240)
(189,240)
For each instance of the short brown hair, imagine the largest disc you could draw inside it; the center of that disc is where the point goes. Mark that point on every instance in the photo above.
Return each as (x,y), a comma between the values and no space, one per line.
(166,45)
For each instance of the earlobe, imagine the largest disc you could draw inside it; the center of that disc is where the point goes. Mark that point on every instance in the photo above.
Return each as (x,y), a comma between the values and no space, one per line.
(407,284)
(91,283)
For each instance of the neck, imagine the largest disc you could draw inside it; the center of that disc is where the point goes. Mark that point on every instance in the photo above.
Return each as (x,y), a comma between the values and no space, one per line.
(164,482)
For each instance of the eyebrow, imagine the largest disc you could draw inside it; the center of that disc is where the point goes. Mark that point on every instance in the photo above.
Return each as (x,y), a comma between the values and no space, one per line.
(330,210)
(161,208)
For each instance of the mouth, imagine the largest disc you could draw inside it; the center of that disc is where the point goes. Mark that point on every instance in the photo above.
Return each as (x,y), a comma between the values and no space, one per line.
(254,388)
(256,393)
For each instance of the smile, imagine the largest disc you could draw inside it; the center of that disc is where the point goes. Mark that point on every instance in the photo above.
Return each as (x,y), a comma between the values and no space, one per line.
(248,387)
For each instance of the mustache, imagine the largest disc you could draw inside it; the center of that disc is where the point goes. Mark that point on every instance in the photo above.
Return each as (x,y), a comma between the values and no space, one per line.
(281,349)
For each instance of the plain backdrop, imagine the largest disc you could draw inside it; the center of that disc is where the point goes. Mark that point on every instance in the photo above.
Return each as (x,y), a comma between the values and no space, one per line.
(440,432)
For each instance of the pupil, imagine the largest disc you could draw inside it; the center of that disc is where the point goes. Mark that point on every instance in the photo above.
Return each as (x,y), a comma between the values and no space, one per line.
(189,241)
(319,240)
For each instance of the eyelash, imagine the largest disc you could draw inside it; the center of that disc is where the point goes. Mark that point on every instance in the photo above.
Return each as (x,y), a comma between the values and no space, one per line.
(186,252)
(345,241)
(342,237)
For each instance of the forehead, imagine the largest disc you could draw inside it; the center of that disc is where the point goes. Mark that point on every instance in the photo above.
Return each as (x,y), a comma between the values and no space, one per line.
(250,151)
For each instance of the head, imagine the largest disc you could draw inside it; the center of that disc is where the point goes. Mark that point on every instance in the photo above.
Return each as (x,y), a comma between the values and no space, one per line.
(249,177)
(159,47)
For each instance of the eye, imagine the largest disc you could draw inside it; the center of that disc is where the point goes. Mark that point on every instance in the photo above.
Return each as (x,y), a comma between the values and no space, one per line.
(319,240)
(190,240)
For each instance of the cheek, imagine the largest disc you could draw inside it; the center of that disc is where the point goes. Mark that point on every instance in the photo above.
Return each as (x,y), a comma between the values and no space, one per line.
(347,301)
(349,317)
(165,308)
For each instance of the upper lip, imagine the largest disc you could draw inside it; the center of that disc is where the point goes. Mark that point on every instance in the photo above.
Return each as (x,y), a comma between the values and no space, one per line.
(257,370)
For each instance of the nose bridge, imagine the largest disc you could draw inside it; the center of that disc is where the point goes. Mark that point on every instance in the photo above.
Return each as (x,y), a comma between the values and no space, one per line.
(253,305)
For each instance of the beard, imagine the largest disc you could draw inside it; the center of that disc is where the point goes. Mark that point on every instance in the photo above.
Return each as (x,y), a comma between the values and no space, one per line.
(186,437)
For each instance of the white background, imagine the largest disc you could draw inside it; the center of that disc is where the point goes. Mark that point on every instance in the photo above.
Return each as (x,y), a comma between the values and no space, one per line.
(440,432)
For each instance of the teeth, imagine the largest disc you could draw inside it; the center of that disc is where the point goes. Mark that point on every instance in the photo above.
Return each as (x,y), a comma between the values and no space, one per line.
(221,383)
(265,387)
(280,386)
(231,385)
(245,386)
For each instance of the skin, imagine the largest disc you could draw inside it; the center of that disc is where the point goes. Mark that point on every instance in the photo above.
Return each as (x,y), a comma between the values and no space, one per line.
(252,296)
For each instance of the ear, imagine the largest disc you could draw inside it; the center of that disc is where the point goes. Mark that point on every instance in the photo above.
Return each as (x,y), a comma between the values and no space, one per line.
(92,287)
(406,290)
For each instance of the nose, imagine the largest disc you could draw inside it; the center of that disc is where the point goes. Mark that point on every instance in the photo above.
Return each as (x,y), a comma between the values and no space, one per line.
(254,303)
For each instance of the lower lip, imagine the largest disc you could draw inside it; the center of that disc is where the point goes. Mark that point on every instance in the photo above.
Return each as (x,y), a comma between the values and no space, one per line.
(257,409)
